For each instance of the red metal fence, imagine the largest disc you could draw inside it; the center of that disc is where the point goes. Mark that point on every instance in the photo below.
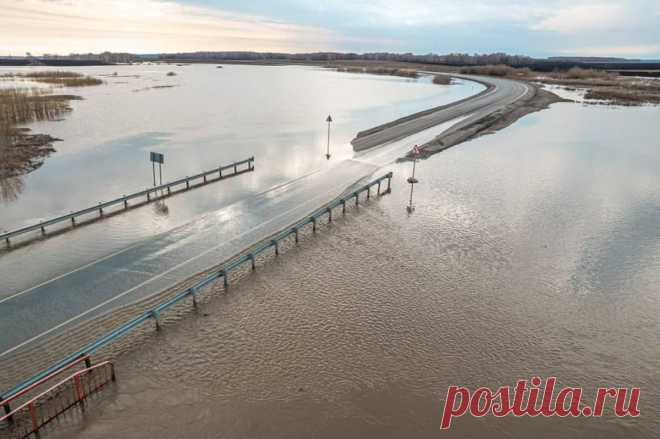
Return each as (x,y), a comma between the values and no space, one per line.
(35,413)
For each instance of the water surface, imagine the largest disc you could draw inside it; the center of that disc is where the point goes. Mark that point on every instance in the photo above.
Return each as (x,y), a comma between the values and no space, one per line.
(534,251)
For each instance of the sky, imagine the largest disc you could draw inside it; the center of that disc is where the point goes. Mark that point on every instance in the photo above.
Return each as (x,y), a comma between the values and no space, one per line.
(540,28)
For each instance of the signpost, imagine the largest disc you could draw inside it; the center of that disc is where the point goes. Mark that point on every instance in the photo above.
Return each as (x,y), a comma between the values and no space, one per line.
(327,153)
(157,157)
(412,180)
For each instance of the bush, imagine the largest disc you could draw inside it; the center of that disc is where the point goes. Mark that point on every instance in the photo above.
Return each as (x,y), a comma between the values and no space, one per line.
(442,79)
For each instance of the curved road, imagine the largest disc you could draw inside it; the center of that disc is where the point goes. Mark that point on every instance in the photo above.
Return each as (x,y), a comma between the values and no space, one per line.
(500,94)
(162,261)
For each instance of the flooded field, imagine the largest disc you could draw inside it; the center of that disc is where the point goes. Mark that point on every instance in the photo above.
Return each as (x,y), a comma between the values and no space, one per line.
(535,251)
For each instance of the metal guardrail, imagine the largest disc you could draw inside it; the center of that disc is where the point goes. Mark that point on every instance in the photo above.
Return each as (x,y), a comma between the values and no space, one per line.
(32,415)
(154,313)
(234,167)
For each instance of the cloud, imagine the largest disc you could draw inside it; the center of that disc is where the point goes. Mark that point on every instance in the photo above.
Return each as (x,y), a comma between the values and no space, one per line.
(585,18)
(534,27)
(66,26)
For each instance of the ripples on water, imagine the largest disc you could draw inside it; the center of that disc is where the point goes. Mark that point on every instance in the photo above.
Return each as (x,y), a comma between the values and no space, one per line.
(535,251)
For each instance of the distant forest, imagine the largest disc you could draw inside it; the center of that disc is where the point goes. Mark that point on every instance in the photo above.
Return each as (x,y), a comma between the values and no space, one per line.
(452,59)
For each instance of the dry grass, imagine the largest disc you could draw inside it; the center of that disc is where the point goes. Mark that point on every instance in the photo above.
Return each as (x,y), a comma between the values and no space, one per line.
(580,73)
(23,105)
(58,78)
(499,70)
(380,70)
(623,96)
(20,151)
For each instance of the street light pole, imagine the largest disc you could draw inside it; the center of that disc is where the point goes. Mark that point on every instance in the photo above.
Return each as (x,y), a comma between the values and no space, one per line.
(327,152)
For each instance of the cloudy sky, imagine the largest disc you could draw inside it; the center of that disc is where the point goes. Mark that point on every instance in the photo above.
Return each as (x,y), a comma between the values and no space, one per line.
(627,28)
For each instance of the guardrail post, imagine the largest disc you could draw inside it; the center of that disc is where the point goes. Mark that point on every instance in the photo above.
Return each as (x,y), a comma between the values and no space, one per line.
(193,293)
(154,315)
(125,202)
(204,178)
(253,261)
(378,187)
(169,190)
(220,172)
(314,224)
(225,281)
(389,182)
(100,210)
(295,231)
(343,206)
(148,196)
(187,183)
(235,168)
(88,362)
(43,230)
(357,198)
(275,244)
(8,242)
(329,210)
(368,192)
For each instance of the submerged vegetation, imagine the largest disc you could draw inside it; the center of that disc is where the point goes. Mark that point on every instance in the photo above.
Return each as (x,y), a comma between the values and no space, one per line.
(21,151)
(57,78)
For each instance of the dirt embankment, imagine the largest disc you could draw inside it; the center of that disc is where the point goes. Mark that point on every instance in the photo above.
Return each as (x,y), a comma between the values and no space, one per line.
(536,100)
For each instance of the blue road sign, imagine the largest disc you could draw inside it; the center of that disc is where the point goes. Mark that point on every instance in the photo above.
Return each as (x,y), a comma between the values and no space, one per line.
(157,157)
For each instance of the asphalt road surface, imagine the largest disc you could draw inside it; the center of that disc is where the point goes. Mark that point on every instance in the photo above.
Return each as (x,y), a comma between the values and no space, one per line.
(159,262)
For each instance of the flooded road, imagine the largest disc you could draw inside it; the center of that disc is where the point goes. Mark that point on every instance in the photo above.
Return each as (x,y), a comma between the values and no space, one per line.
(234,112)
(534,251)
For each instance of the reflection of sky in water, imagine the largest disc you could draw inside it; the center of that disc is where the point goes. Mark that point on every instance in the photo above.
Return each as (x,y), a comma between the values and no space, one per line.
(212,116)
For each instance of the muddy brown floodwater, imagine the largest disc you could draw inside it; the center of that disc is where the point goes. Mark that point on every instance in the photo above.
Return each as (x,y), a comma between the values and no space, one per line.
(535,251)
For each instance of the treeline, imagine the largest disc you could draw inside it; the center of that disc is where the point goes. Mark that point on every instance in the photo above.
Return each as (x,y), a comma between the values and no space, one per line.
(450,59)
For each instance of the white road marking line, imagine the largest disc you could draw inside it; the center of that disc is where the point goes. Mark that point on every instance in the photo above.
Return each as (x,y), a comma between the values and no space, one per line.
(72,319)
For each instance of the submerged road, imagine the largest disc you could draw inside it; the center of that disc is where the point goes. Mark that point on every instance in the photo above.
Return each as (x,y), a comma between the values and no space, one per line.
(159,262)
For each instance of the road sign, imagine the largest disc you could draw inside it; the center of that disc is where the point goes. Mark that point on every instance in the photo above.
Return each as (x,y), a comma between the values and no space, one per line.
(157,157)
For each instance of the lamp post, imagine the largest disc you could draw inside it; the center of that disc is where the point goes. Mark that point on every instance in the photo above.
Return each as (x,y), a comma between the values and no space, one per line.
(412,180)
(327,152)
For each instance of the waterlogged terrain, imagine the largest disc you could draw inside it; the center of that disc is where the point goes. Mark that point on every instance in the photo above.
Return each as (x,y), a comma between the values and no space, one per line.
(534,251)
(200,118)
